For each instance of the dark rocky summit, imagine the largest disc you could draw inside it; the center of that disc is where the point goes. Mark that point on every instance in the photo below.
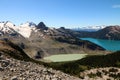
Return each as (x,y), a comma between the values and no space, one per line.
(42,26)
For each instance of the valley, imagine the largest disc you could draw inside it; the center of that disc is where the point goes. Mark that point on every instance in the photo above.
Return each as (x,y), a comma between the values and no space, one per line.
(60,49)
(40,41)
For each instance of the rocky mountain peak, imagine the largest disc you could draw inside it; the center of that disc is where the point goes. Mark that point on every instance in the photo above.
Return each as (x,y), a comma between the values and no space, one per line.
(28,24)
(42,26)
(6,24)
(63,28)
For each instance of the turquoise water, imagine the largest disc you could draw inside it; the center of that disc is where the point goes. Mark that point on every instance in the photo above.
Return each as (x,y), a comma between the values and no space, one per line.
(110,45)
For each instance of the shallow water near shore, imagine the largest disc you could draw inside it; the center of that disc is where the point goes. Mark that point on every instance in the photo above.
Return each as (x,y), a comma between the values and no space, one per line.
(64,57)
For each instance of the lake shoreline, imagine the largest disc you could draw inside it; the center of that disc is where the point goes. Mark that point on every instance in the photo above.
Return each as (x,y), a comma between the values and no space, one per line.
(64,57)
(110,45)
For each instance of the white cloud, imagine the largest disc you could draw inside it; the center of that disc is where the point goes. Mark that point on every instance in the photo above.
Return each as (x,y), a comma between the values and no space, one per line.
(116,6)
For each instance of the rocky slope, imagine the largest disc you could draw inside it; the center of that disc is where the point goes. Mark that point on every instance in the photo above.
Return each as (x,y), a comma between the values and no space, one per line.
(110,32)
(107,73)
(12,49)
(12,69)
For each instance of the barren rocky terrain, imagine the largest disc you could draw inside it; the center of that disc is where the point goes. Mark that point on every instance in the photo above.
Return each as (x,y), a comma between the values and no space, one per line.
(108,73)
(12,69)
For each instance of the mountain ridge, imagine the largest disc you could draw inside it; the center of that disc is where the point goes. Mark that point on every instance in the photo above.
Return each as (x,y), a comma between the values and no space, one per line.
(89,28)
(39,41)
(110,33)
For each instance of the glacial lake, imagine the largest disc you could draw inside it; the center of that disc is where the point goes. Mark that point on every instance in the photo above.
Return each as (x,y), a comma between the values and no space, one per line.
(64,57)
(111,45)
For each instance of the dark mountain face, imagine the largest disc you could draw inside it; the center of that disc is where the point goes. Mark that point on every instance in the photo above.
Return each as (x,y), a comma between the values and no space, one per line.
(110,32)
(42,26)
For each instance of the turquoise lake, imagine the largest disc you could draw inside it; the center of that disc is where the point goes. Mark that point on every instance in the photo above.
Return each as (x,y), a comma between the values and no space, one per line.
(110,45)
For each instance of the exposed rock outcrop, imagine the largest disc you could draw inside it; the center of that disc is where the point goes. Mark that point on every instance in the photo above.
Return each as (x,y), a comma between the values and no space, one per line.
(12,69)
(42,26)
(108,73)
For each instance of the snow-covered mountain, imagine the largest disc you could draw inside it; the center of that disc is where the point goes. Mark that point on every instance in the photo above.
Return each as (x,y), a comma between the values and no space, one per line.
(94,27)
(23,29)
(90,28)
(26,29)
(7,28)
(30,24)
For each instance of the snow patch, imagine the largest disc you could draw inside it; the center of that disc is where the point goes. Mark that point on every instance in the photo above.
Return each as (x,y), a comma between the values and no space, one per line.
(24,31)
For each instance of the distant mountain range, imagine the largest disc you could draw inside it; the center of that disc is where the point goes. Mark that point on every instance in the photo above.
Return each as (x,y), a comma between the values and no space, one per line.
(109,32)
(39,40)
(89,28)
